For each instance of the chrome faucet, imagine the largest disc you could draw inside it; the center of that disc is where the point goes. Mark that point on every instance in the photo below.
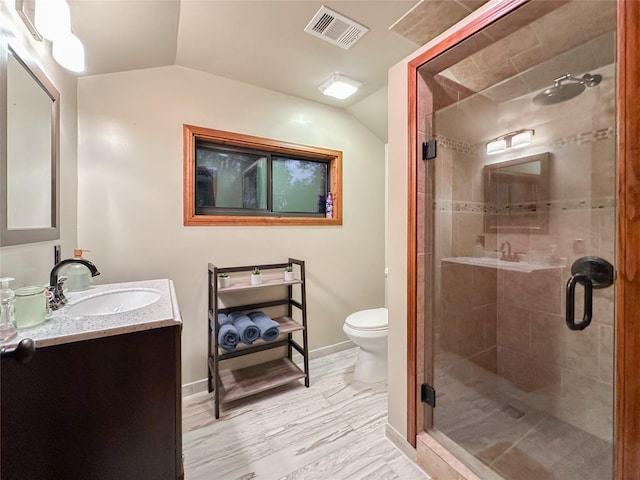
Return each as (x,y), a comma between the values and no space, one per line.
(57,298)
(507,255)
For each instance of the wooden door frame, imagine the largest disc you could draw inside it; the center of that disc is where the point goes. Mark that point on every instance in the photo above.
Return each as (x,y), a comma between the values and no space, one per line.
(627,334)
(627,321)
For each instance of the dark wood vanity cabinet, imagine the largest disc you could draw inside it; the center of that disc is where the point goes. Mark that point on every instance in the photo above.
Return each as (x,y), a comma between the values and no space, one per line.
(106,408)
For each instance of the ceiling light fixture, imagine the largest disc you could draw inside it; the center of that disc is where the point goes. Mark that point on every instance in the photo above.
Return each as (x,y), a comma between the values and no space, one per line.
(517,139)
(339,86)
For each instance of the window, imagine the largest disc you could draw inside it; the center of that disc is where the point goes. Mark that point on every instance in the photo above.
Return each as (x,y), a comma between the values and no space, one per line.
(234,179)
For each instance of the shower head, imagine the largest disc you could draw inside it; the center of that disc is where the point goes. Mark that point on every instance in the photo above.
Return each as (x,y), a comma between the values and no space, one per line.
(560,91)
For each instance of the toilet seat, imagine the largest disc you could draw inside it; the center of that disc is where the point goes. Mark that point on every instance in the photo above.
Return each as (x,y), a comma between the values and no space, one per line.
(372,320)
(365,329)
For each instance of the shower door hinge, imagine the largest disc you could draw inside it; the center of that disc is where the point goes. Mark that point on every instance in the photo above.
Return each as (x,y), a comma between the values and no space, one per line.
(428,395)
(429,150)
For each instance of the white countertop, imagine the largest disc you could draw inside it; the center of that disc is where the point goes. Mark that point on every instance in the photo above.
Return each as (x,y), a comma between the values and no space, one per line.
(63,328)
(501,264)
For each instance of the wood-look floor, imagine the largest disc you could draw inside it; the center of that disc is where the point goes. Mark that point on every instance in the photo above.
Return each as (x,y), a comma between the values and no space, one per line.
(332,430)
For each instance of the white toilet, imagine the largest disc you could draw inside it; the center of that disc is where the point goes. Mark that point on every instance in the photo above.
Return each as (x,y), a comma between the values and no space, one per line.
(368,329)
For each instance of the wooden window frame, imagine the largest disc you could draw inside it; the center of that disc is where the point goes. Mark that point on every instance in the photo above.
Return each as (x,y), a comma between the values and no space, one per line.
(192,133)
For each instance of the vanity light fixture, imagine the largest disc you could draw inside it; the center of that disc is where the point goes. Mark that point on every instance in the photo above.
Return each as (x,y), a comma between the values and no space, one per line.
(52,18)
(53,21)
(68,51)
(339,86)
(517,139)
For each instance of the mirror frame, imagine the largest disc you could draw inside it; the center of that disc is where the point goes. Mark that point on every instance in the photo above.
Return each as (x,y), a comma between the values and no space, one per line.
(539,220)
(28,235)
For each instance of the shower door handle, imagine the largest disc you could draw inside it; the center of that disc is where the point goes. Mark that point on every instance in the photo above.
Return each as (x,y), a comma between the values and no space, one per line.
(571,302)
(590,272)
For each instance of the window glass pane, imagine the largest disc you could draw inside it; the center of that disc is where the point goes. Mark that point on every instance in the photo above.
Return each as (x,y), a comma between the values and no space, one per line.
(227,179)
(299,186)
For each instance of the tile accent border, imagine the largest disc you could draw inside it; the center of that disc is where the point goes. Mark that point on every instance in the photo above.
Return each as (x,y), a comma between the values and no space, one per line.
(201,385)
(448,206)
(586,203)
(577,139)
(458,146)
(585,137)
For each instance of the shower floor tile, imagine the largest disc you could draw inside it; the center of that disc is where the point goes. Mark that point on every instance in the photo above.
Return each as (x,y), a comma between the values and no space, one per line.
(516,441)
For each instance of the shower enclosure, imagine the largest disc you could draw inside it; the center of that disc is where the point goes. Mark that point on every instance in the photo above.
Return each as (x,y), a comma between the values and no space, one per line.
(518,125)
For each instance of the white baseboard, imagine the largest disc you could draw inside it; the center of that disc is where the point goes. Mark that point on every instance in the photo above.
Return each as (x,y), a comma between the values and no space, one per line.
(201,385)
(324,351)
(194,387)
(400,443)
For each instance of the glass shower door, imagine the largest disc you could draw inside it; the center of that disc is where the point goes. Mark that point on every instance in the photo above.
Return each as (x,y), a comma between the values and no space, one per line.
(520,220)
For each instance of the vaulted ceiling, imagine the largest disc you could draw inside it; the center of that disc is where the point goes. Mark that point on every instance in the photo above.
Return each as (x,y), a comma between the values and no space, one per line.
(263,42)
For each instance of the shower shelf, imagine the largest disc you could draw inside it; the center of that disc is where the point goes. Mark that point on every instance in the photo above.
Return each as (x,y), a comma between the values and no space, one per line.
(501,264)
(229,384)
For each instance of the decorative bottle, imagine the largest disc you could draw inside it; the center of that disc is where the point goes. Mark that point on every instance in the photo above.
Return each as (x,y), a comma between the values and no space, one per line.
(7,310)
(329,207)
(78,276)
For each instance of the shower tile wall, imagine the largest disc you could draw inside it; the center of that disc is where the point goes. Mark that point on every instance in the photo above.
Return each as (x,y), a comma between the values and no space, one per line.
(488,322)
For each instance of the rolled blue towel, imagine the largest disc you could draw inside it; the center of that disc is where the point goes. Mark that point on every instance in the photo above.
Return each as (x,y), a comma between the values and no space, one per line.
(228,337)
(248,331)
(223,319)
(269,329)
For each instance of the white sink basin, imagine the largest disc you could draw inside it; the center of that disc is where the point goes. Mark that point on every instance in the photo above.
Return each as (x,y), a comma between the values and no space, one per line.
(114,301)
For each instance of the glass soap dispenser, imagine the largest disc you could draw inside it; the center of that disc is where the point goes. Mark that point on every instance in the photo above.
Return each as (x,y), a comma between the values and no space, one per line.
(7,310)
(78,276)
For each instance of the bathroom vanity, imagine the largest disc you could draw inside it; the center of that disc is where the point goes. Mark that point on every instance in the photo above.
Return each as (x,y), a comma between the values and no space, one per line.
(101,398)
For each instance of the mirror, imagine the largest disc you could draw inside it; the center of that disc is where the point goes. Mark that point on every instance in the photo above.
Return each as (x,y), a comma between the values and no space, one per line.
(29,152)
(516,195)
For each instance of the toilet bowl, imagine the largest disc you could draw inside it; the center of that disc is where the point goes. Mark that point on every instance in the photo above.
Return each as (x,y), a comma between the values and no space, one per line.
(368,330)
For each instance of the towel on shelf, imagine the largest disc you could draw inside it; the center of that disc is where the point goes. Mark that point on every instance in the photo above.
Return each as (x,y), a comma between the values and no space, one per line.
(223,319)
(269,329)
(228,337)
(247,329)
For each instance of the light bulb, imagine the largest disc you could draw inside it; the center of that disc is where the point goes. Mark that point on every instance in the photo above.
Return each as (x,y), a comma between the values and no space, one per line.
(68,51)
(521,139)
(53,18)
(496,146)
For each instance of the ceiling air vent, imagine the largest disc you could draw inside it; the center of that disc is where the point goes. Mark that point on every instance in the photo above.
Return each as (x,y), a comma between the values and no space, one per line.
(335,28)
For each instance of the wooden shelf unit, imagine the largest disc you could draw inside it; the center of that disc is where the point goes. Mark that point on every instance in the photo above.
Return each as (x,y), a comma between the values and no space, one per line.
(232,384)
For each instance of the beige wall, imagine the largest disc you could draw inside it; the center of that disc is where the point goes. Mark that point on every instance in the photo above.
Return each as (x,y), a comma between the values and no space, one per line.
(396,248)
(130,196)
(397,224)
(31,264)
